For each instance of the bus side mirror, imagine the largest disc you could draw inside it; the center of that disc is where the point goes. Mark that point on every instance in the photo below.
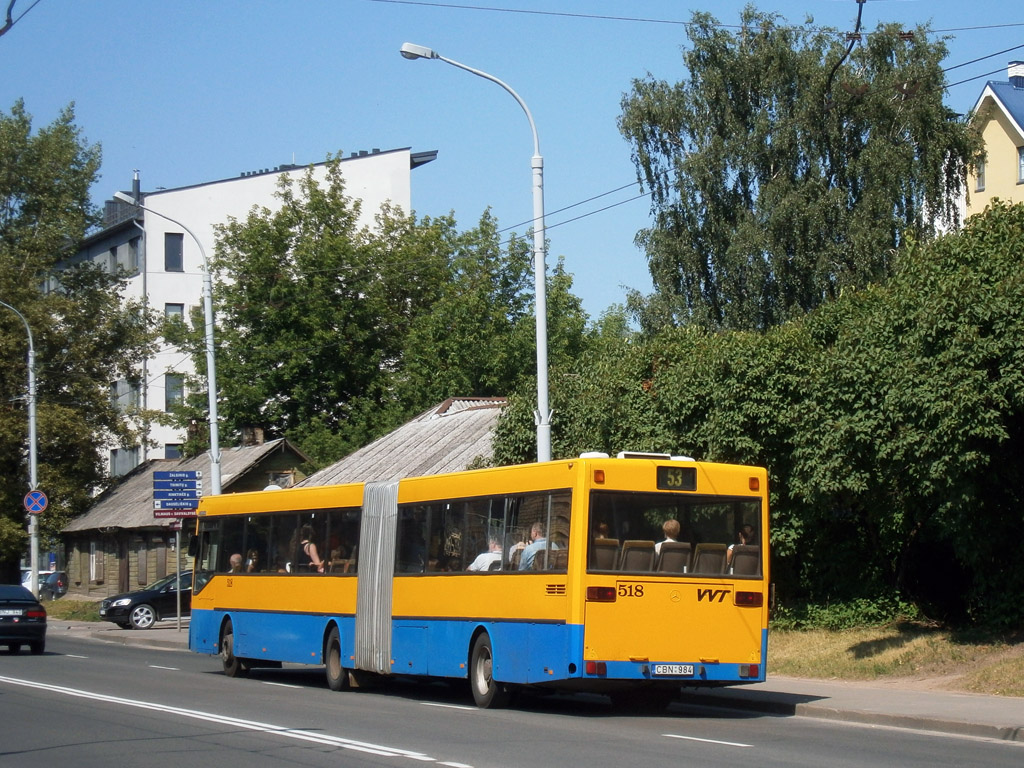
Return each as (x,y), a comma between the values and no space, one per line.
(193,546)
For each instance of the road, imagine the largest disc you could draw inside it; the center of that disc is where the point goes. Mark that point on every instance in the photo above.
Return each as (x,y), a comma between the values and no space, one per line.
(87,703)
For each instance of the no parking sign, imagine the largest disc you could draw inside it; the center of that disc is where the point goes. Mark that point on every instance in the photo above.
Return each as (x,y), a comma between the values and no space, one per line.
(35,502)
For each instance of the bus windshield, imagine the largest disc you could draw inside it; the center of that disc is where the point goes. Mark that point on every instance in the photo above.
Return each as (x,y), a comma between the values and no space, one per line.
(674,533)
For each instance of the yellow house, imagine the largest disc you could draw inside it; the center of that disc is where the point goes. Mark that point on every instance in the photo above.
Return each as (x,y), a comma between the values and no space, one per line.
(999,113)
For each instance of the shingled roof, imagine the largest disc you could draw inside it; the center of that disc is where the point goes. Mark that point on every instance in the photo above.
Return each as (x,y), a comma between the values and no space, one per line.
(129,504)
(447,438)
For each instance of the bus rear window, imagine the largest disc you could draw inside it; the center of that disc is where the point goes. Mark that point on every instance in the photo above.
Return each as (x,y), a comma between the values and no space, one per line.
(674,534)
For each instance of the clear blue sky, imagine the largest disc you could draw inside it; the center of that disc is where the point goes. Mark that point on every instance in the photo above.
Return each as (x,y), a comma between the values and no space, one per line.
(195,90)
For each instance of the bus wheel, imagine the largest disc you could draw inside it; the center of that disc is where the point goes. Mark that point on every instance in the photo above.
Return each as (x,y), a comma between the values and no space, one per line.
(488,693)
(233,666)
(337,675)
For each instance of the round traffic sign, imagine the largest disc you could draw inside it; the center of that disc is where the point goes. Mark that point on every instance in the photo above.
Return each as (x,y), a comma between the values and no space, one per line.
(35,502)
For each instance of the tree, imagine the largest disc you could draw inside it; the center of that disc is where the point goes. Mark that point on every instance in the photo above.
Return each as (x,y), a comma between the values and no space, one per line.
(332,336)
(783,172)
(890,420)
(85,337)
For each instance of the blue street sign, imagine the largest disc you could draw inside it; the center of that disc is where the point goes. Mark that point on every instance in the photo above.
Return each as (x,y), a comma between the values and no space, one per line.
(177,485)
(194,474)
(193,495)
(35,502)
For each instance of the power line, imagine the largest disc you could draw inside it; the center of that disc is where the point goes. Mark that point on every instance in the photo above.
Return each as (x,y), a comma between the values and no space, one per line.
(568,207)
(644,20)
(982,58)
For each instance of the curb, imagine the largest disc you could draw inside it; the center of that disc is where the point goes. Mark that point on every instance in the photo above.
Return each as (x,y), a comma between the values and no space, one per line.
(791,705)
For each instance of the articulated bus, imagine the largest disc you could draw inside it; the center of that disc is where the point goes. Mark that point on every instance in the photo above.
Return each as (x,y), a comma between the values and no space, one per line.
(630,576)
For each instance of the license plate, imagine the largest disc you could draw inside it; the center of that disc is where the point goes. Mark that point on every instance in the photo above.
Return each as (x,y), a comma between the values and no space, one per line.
(10,611)
(675,670)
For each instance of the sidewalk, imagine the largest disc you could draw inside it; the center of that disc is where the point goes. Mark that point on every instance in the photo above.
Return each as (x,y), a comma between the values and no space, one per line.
(888,704)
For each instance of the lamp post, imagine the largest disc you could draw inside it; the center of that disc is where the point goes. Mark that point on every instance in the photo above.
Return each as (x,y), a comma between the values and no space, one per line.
(542,415)
(211,369)
(33,474)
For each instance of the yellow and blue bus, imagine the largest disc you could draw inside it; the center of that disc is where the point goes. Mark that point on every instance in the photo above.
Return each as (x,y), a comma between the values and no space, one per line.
(630,576)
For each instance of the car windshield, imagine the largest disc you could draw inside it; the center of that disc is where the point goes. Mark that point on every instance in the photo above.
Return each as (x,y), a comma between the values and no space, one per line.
(186,581)
(15,592)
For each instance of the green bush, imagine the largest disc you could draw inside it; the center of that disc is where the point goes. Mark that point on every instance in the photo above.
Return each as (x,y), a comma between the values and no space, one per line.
(860,612)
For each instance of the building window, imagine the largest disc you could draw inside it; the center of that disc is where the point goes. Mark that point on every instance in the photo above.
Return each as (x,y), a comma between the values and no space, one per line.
(281,479)
(172,451)
(1020,165)
(96,562)
(125,395)
(174,312)
(133,255)
(980,177)
(174,390)
(112,264)
(174,258)
(123,461)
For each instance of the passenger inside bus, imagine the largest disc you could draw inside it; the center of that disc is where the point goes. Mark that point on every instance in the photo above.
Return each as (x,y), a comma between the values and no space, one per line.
(252,562)
(484,560)
(671,530)
(538,542)
(310,559)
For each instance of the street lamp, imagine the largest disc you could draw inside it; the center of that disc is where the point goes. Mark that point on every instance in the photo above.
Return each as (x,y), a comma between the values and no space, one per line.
(542,415)
(211,369)
(33,475)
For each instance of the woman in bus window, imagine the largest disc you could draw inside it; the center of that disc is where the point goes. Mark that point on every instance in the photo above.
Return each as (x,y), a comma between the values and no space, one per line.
(310,558)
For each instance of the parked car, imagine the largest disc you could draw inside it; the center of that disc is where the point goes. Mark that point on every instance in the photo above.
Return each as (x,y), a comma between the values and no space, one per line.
(55,585)
(144,607)
(52,584)
(22,619)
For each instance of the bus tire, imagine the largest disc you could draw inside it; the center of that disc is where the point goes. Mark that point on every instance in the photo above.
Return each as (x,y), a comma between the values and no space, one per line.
(233,666)
(488,693)
(337,675)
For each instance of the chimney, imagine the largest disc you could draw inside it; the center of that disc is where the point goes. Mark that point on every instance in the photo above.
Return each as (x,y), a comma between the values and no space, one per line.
(252,436)
(1016,73)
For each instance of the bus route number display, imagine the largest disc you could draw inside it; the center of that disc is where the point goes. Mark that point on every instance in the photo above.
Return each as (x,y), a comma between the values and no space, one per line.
(677,478)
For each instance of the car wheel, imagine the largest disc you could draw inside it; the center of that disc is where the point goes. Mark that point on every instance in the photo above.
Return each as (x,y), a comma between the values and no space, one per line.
(488,693)
(233,666)
(337,675)
(38,646)
(142,616)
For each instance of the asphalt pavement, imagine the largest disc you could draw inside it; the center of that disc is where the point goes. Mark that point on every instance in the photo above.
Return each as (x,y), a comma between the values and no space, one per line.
(888,704)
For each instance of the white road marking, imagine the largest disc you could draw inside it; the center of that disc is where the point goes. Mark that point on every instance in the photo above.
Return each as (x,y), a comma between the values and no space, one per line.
(706,741)
(157,666)
(211,717)
(448,706)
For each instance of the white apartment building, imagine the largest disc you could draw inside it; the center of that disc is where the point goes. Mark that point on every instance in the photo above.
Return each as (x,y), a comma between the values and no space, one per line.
(165,262)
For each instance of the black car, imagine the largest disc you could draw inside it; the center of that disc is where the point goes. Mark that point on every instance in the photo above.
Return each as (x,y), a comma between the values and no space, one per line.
(55,585)
(22,619)
(144,607)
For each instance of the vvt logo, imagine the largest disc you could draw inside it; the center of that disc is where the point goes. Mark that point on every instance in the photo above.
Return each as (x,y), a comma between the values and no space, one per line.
(712,595)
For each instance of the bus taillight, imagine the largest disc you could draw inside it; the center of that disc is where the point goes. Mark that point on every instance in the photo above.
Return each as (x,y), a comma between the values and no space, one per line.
(749,599)
(597,668)
(601,594)
(749,670)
